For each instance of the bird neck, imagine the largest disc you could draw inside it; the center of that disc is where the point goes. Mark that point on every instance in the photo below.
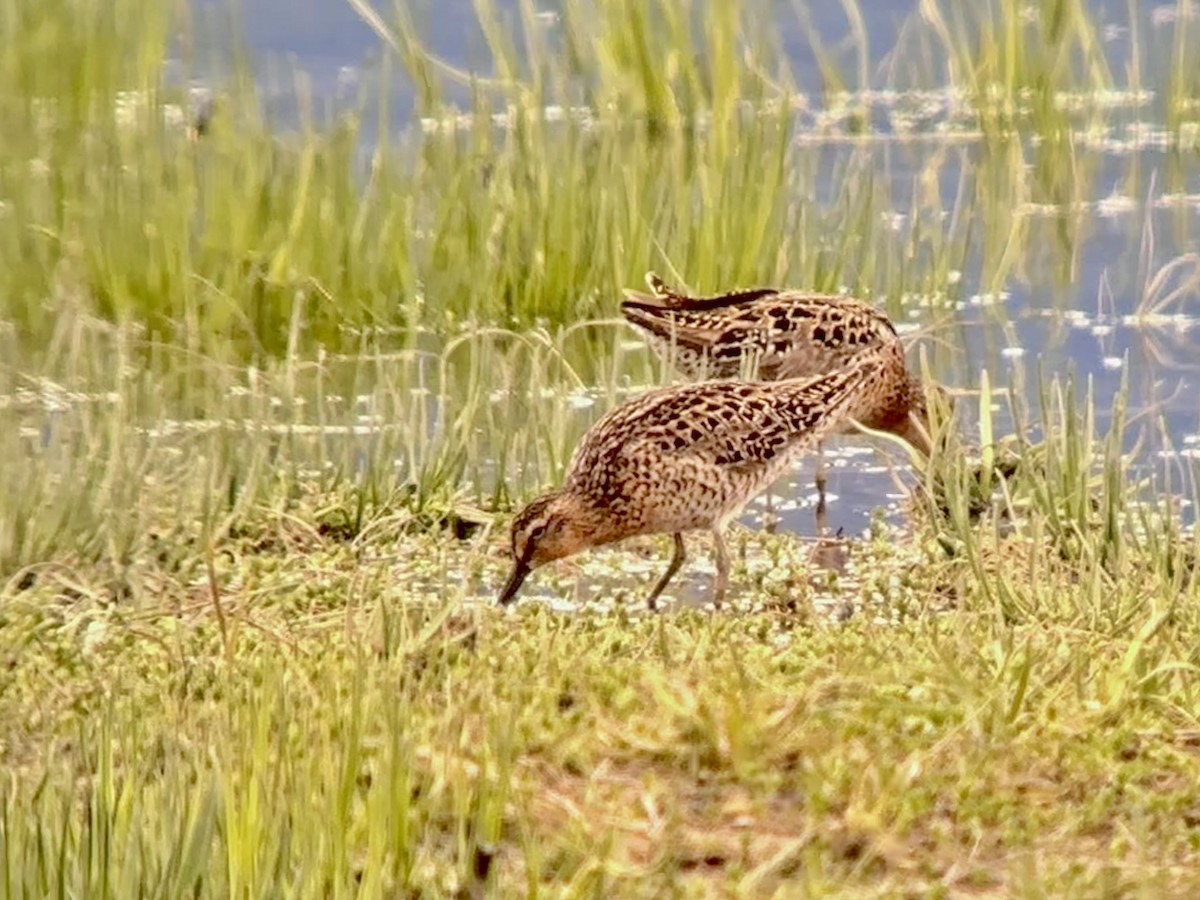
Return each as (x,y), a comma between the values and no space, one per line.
(589,522)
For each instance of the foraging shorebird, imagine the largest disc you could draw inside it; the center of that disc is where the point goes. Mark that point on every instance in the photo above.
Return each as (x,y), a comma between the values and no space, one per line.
(777,334)
(685,458)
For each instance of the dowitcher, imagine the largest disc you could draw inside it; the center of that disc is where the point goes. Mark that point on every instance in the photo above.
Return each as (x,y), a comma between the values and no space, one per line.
(684,458)
(776,334)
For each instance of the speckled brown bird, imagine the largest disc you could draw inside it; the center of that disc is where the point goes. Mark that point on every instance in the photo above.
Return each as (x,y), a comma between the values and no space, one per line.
(684,458)
(776,334)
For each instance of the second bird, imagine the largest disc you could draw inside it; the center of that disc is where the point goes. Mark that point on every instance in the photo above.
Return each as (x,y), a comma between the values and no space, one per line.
(777,334)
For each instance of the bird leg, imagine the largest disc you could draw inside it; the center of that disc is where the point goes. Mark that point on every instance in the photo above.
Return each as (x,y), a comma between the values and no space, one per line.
(677,559)
(721,553)
(770,520)
(819,478)
(819,474)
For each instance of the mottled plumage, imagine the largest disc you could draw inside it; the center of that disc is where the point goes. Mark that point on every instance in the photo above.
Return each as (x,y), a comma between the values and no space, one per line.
(778,334)
(684,458)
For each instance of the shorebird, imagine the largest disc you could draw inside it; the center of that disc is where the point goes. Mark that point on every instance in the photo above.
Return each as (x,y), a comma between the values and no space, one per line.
(776,334)
(684,458)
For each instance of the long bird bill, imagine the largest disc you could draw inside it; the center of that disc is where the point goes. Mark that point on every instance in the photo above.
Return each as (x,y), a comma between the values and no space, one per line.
(515,580)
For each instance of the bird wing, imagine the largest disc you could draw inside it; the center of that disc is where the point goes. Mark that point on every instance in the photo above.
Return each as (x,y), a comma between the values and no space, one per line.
(751,423)
(789,334)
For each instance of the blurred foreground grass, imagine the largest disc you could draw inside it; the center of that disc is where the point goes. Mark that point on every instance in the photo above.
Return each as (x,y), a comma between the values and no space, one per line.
(351,727)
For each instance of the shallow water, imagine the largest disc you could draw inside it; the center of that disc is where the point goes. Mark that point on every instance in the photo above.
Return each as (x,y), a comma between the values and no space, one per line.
(1069,305)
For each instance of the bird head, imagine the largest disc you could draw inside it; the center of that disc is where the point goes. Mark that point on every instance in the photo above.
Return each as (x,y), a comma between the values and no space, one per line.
(549,528)
(930,404)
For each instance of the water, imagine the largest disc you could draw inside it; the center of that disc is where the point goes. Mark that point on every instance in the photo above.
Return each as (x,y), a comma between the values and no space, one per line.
(1068,308)
(331,42)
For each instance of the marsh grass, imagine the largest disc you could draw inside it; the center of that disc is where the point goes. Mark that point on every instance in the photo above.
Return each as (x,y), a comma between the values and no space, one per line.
(1073,503)
(521,205)
(266,397)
